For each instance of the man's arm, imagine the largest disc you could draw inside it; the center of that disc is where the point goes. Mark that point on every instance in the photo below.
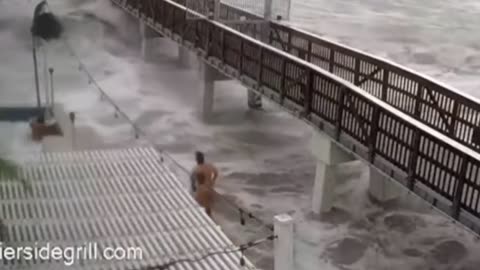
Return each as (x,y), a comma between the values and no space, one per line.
(193,181)
(215,174)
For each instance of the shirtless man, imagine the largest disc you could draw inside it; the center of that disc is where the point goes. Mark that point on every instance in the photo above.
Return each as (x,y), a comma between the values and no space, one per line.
(203,180)
(210,172)
(204,193)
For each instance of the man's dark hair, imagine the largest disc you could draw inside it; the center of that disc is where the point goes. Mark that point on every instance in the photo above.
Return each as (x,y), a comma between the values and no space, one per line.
(200,157)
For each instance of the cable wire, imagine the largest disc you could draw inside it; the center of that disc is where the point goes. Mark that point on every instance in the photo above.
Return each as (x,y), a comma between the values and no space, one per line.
(187,259)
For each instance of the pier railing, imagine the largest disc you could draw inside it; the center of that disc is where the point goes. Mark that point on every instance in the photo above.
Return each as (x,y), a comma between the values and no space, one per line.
(416,153)
(441,107)
(445,109)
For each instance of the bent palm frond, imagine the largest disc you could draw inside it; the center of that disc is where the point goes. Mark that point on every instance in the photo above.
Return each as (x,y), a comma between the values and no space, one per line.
(9,172)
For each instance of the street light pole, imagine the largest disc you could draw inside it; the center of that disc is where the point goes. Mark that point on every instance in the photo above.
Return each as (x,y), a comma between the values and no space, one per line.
(35,66)
(38,9)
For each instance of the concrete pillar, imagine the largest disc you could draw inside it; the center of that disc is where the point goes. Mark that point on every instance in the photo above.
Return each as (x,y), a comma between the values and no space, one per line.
(216,10)
(267,11)
(183,57)
(148,37)
(254,100)
(381,188)
(328,156)
(283,244)
(267,15)
(144,40)
(208,92)
(209,75)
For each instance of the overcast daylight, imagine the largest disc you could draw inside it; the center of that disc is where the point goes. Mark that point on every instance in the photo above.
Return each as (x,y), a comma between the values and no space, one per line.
(110,111)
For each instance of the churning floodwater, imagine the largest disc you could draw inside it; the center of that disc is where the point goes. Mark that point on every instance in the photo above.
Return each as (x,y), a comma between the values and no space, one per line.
(263,156)
(438,38)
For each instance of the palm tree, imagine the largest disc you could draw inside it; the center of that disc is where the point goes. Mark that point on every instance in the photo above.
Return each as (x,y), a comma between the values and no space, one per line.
(9,171)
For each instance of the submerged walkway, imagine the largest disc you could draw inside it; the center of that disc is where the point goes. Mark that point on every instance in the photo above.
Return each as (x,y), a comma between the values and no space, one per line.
(120,198)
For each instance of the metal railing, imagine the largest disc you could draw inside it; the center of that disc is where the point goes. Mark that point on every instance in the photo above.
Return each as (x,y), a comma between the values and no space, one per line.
(426,161)
(446,110)
(441,107)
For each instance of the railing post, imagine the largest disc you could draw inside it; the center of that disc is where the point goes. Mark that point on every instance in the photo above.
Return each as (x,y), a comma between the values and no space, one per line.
(356,75)
(260,68)
(172,25)
(412,159)
(418,100)
(459,190)
(455,116)
(341,101)
(222,46)
(289,42)
(308,93)
(184,28)
(331,60)
(163,19)
(209,40)
(283,82)
(240,59)
(373,134)
(386,75)
(309,53)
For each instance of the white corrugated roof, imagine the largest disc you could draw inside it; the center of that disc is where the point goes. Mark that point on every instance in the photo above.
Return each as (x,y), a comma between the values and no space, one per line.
(118,197)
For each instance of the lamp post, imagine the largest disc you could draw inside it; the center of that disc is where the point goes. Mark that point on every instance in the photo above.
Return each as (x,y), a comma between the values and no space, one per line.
(35,67)
(38,9)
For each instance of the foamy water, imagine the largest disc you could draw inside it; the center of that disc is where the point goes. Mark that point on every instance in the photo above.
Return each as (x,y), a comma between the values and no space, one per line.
(263,156)
(434,37)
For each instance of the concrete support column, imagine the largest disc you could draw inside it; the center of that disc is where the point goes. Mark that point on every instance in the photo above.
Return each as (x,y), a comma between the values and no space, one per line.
(148,38)
(216,10)
(267,15)
(328,155)
(254,100)
(145,41)
(209,75)
(283,244)
(381,188)
(183,57)
(208,93)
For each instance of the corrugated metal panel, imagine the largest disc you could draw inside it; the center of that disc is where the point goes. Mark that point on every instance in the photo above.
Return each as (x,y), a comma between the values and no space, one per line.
(119,197)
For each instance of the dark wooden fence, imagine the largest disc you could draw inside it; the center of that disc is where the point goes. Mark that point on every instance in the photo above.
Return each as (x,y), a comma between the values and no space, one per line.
(411,152)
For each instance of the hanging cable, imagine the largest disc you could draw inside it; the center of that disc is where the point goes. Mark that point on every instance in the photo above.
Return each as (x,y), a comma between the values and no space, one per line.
(187,259)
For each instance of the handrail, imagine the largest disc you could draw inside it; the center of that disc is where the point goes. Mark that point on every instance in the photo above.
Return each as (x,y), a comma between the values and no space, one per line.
(408,150)
(441,107)
(383,60)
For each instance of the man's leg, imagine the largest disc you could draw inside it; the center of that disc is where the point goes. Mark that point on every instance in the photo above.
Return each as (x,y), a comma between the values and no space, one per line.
(209,211)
